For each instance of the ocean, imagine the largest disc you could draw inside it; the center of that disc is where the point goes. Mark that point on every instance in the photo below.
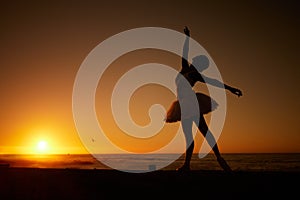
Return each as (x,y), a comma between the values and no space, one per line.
(238,162)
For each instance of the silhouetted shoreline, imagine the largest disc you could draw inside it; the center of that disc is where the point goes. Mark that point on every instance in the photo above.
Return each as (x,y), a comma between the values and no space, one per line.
(238,162)
(46,183)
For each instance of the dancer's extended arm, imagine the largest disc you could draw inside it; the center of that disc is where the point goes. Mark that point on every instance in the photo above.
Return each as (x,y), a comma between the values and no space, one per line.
(217,83)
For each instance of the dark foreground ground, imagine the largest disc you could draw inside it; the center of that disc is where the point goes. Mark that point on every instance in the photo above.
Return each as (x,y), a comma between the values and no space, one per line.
(28,183)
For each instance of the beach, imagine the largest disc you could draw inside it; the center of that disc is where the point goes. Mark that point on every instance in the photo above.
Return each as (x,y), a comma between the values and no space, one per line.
(47,183)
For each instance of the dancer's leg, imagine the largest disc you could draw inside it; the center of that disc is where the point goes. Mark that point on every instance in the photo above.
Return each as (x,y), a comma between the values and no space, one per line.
(187,130)
(212,142)
(203,128)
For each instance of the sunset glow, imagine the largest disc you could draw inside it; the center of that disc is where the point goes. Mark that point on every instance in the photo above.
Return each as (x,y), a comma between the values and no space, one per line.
(169,97)
(44,45)
(42,146)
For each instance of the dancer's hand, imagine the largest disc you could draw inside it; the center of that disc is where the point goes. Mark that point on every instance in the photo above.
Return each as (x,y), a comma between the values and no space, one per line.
(236,91)
(186,31)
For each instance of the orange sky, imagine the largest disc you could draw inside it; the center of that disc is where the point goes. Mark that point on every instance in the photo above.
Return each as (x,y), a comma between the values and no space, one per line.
(254,44)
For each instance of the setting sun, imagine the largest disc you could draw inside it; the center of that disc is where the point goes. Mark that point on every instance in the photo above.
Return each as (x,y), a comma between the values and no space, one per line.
(42,146)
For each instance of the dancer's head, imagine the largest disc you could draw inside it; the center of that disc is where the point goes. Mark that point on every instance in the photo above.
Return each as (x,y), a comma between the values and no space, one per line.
(200,62)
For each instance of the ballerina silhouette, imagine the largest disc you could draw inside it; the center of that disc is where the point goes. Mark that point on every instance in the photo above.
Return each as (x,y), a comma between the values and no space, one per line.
(183,109)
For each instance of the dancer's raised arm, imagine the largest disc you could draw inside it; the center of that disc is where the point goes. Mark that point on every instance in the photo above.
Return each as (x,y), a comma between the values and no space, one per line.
(185,52)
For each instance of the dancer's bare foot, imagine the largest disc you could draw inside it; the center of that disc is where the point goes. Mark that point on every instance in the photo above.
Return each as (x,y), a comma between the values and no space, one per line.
(183,168)
(224,164)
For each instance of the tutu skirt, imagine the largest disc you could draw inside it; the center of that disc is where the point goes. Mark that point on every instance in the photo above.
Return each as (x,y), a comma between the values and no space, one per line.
(206,105)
